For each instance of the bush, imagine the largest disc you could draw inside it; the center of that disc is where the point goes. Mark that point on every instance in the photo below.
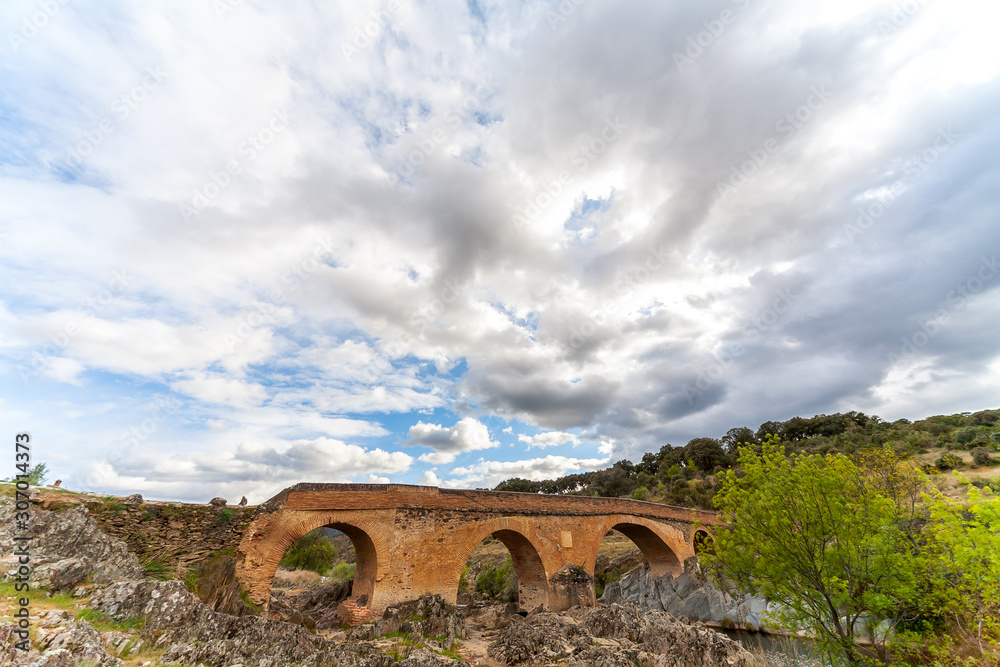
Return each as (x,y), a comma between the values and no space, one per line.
(225,516)
(982,456)
(312,552)
(640,493)
(342,570)
(948,462)
(498,583)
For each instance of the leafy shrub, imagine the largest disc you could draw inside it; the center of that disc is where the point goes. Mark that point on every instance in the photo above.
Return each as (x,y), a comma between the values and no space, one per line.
(312,552)
(948,462)
(225,516)
(965,436)
(640,493)
(342,570)
(498,583)
(982,456)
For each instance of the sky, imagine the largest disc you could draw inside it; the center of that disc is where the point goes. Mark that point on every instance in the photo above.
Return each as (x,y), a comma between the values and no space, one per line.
(248,244)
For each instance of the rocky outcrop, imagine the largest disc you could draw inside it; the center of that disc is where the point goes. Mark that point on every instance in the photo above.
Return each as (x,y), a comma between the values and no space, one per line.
(193,633)
(68,547)
(60,642)
(312,607)
(428,616)
(613,636)
(689,596)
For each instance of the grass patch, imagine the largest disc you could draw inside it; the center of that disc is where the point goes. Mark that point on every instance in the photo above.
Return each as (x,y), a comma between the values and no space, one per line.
(157,567)
(104,623)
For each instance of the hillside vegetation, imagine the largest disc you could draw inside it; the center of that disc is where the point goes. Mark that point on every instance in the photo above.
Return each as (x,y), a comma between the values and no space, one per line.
(689,475)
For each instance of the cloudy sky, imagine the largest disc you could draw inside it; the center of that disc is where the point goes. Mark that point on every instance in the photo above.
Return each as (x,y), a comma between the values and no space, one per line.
(246,244)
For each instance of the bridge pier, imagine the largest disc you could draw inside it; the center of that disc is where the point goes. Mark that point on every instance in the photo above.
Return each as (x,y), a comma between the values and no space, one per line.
(413,540)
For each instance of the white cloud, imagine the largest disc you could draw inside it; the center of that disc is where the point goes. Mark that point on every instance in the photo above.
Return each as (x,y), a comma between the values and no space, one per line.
(429,478)
(467,435)
(333,285)
(254,468)
(490,473)
(549,439)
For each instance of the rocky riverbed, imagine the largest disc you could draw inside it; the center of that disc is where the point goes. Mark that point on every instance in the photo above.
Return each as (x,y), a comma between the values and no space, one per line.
(100,609)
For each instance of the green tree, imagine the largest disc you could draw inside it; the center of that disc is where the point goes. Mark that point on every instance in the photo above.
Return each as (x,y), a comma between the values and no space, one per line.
(705,454)
(960,562)
(36,475)
(312,551)
(815,535)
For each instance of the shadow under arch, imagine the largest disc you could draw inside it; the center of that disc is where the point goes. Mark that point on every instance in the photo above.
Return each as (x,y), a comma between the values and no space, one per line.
(366,567)
(370,547)
(532,580)
(661,558)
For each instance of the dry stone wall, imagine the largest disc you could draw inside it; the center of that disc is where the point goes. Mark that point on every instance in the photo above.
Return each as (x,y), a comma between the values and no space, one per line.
(177,534)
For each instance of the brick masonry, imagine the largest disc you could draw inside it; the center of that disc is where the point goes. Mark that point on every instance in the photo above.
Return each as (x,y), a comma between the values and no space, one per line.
(413,540)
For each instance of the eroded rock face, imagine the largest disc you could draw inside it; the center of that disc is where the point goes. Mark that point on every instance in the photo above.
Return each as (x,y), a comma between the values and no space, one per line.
(614,636)
(686,596)
(67,548)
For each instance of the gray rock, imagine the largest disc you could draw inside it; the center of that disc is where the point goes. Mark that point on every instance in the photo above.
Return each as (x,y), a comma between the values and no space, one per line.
(134,499)
(63,539)
(217,502)
(613,636)
(59,575)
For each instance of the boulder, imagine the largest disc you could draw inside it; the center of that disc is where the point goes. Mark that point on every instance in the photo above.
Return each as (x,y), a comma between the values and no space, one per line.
(217,502)
(134,499)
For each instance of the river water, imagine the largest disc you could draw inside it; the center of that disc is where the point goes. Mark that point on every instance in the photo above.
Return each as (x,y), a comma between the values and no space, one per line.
(780,650)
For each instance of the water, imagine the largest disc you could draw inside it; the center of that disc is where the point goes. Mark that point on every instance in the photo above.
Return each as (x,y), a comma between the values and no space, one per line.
(779,649)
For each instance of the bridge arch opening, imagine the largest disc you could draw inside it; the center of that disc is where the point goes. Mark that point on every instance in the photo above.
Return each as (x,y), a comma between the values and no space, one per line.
(627,546)
(505,567)
(703,543)
(342,553)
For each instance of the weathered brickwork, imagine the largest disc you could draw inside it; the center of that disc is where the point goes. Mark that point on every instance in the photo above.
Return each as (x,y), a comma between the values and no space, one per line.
(414,540)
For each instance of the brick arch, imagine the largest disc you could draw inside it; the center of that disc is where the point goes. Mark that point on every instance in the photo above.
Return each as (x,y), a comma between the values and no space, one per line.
(368,537)
(664,547)
(529,560)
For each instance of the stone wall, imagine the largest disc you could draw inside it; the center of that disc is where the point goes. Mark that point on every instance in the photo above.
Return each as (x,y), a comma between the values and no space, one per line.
(177,534)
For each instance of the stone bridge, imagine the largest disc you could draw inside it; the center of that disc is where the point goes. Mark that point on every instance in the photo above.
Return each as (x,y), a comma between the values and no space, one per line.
(412,540)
